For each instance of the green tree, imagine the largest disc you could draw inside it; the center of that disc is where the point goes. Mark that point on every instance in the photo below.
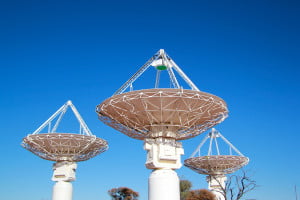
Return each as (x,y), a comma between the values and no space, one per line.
(123,193)
(185,186)
(201,194)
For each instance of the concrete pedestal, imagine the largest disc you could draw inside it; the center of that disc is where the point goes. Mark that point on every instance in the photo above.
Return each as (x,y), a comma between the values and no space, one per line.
(163,184)
(217,184)
(62,191)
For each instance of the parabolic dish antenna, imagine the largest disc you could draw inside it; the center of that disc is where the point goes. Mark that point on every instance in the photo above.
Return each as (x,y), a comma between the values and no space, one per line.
(152,113)
(162,112)
(218,163)
(64,146)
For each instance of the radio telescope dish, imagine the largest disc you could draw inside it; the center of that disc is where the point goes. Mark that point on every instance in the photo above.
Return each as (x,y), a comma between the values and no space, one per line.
(64,146)
(217,164)
(65,149)
(160,116)
(171,113)
(162,112)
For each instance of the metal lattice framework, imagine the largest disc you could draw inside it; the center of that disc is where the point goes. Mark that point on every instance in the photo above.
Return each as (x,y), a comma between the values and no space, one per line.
(162,62)
(64,146)
(216,164)
(173,113)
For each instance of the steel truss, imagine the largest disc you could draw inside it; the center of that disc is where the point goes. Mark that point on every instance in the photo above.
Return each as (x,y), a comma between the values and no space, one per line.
(160,56)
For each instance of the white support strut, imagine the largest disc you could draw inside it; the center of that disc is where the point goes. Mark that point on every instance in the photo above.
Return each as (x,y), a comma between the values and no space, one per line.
(213,138)
(80,119)
(166,60)
(182,74)
(173,78)
(48,121)
(199,146)
(61,111)
(137,74)
(58,120)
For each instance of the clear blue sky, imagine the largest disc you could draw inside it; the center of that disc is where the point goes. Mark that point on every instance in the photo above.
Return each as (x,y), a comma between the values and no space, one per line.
(246,52)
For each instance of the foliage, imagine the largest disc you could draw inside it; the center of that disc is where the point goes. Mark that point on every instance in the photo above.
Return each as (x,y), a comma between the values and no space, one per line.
(123,193)
(201,194)
(185,186)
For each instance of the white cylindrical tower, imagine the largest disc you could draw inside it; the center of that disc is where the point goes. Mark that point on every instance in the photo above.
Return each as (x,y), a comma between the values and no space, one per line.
(217,184)
(163,184)
(62,190)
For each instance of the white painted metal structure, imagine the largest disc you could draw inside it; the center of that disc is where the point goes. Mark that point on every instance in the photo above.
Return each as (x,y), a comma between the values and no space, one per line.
(214,163)
(65,149)
(161,58)
(161,117)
